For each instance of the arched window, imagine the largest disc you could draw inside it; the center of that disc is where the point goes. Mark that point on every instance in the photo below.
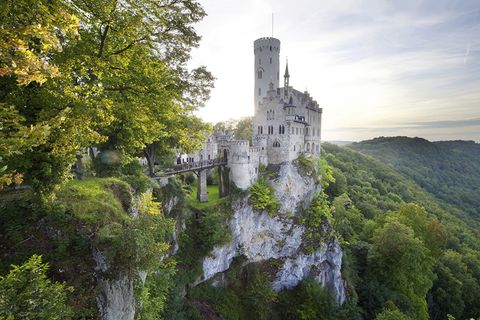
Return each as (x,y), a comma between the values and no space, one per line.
(293,147)
(270,60)
(261,129)
(276,144)
(259,74)
(308,147)
(280,129)
(259,91)
(259,60)
(270,48)
(318,148)
(313,147)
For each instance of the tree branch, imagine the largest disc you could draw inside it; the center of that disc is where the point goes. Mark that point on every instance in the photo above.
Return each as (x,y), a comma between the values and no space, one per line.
(128,46)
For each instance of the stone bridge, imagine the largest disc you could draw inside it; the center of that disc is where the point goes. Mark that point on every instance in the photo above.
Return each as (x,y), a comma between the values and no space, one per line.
(200,169)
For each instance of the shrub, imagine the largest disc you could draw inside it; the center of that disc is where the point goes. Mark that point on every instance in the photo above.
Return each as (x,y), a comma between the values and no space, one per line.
(27,293)
(314,219)
(262,197)
(316,168)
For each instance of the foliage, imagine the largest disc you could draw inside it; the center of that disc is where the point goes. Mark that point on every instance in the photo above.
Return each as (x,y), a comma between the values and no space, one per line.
(205,228)
(92,214)
(243,129)
(348,221)
(316,168)
(106,92)
(401,262)
(394,314)
(309,300)
(262,197)
(450,170)
(431,229)
(27,293)
(317,220)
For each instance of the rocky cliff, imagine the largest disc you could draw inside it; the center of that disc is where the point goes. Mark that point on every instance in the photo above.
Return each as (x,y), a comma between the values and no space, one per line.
(259,237)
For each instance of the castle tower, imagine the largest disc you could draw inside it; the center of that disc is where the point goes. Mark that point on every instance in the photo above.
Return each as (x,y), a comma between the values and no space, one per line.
(267,66)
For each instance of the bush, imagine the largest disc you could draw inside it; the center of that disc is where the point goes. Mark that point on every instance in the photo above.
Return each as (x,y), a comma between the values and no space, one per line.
(262,197)
(317,219)
(309,300)
(27,293)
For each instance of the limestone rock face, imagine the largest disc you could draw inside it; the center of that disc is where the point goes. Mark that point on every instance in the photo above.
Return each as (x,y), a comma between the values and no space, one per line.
(116,300)
(259,237)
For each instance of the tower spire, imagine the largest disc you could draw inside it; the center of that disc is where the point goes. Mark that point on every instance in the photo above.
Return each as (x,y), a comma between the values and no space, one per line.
(286,80)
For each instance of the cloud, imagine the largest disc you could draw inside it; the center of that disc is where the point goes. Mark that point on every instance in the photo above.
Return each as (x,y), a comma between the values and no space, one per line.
(376,67)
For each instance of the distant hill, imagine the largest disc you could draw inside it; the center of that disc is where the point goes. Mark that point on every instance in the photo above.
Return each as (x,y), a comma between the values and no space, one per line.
(450,170)
(340,142)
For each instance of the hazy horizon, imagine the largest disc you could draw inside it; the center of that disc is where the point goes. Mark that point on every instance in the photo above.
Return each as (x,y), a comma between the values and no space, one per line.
(377,68)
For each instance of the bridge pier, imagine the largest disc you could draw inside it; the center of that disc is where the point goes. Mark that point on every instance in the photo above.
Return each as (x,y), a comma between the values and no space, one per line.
(202,194)
(223,181)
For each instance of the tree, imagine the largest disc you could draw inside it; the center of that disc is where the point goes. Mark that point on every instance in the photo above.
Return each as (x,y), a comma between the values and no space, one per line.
(243,129)
(121,86)
(402,263)
(27,293)
(394,314)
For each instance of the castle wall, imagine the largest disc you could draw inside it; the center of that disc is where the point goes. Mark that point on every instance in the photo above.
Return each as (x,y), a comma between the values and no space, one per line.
(243,162)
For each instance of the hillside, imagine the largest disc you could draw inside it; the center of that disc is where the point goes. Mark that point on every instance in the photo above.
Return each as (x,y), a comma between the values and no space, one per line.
(379,192)
(450,170)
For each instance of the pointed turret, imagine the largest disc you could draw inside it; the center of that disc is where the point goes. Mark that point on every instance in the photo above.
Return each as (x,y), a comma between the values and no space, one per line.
(286,81)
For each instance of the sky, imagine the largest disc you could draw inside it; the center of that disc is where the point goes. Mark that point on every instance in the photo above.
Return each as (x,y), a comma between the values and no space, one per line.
(377,68)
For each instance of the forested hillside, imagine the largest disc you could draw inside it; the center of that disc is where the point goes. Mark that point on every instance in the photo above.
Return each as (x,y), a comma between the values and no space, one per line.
(450,170)
(384,239)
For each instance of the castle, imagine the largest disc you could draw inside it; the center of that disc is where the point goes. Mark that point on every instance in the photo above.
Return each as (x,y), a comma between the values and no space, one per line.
(286,122)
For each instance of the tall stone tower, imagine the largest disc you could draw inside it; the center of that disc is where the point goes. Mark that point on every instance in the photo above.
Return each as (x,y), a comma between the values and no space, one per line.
(267,66)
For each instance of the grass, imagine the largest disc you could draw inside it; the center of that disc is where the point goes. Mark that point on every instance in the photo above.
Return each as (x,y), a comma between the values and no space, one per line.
(213,197)
(94,200)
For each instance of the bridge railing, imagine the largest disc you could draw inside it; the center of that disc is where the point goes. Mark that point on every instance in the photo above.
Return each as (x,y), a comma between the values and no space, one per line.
(199,164)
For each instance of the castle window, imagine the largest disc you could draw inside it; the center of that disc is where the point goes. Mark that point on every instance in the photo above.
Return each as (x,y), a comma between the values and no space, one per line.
(259,74)
(276,144)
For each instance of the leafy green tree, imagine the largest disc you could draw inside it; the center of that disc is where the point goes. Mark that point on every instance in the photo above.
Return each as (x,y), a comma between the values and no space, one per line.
(394,314)
(308,301)
(27,293)
(347,220)
(122,85)
(243,129)
(402,262)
